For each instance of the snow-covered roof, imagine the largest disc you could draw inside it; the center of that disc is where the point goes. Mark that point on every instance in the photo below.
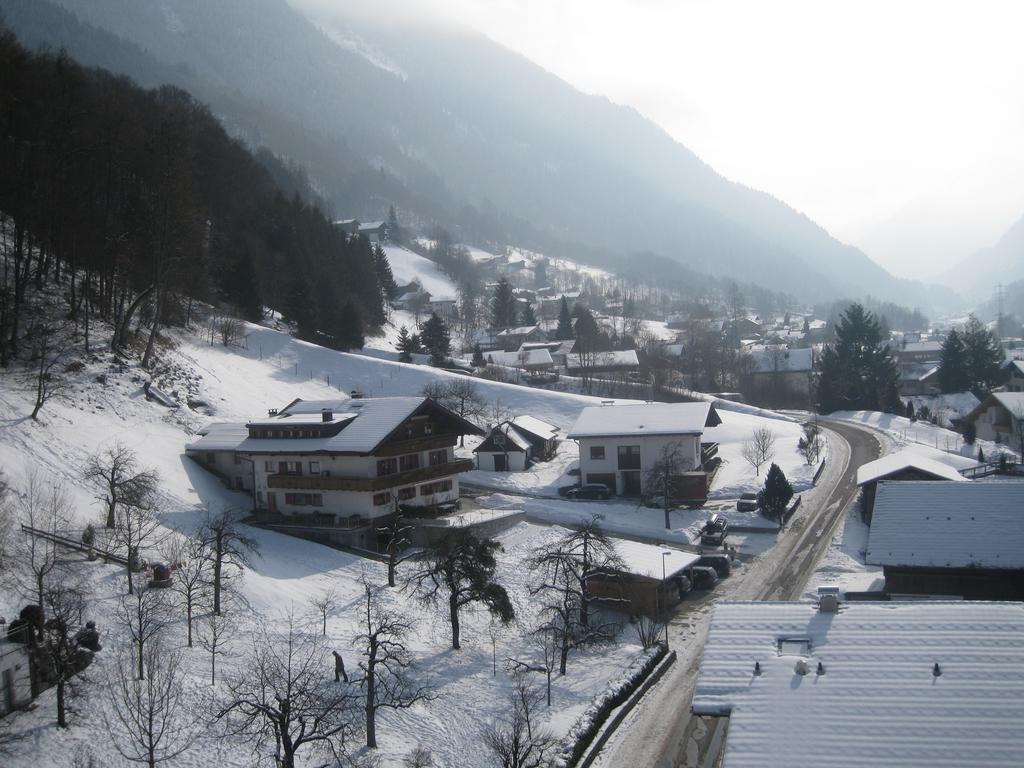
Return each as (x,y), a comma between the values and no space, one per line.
(535,426)
(219,436)
(917,371)
(523,358)
(645,560)
(1011,401)
(1017,365)
(948,525)
(645,419)
(622,358)
(903,460)
(511,434)
(920,346)
(368,421)
(776,360)
(522,330)
(369,225)
(878,702)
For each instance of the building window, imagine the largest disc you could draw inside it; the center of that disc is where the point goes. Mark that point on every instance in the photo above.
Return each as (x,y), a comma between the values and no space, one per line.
(437,458)
(409,462)
(404,494)
(386,467)
(314,467)
(380,499)
(439,487)
(629,457)
(499,439)
(289,467)
(428,428)
(304,499)
(597,452)
(268,466)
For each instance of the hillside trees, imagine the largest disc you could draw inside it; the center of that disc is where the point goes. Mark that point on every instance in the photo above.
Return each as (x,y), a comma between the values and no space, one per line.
(857,372)
(229,550)
(503,305)
(954,375)
(436,340)
(984,356)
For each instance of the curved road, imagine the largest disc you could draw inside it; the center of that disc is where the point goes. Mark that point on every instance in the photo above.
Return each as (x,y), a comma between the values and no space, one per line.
(661,732)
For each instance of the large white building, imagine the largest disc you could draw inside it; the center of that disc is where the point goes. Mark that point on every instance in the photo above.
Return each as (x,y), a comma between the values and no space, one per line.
(340,465)
(620,444)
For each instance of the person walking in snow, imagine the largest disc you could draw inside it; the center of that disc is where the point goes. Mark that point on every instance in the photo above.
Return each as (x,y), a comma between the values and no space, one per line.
(339,668)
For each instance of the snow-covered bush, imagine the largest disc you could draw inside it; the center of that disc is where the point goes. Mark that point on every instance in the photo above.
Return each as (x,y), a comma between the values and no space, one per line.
(615,693)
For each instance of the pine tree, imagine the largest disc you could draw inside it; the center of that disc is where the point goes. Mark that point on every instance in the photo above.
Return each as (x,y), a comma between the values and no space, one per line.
(404,345)
(478,357)
(385,277)
(564,330)
(857,372)
(436,340)
(540,273)
(910,409)
(394,229)
(777,491)
(503,305)
(954,375)
(528,317)
(984,355)
(347,329)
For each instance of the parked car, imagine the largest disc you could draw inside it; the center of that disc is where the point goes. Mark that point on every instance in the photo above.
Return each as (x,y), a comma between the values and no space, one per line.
(683,584)
(721,563)
(714,532)
(704,577)
(590,491)
(747,503)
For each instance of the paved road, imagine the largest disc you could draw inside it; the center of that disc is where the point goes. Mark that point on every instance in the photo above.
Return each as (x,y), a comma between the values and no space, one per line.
(660,732)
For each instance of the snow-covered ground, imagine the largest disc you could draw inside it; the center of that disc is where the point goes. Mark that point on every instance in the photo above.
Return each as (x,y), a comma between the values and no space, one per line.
(843,564)
(407,266)
(933,441)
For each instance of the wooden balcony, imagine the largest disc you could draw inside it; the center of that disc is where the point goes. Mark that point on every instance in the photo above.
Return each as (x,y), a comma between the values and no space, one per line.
(416,445)
(337,483)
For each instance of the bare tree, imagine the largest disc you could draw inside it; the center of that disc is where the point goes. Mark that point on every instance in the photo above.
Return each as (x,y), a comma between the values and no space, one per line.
(420,757)
(7,521)
(460,395)
(115,471)
(147,719)
(230,549)
(397,531)
(663,476)
(648,631)
(143,614)
(229,330)
(59,651)
(46,511)
(459,570)
(519,742)
(136,526)
(191,574)
(213,634)
(760,448)
(325,603)
(548,643)
(386,661)
(281,693)
(48,350)
(810,444)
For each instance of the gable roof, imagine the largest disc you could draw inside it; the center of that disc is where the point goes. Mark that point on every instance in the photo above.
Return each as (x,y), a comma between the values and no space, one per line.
(904,460)
(219,436)
(534,426)
(877,704)
(519,442)
(622,358)
(525,357)
(1011,401)
(645,419)
(782,360)
(948,525)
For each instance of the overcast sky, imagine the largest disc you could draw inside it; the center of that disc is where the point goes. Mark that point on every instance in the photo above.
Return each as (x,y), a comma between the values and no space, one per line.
(897,125)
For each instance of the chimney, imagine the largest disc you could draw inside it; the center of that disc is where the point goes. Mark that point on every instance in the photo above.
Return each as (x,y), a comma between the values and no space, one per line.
(828,599)
(327,415)
(272,412)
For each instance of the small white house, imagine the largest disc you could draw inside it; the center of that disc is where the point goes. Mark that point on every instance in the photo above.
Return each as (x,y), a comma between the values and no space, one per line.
(15,677)
(620,444)
(514,445)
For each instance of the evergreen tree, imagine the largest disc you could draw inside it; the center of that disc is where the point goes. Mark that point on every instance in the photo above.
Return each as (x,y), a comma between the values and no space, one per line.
(984,355)
(404,345)
(564,330)
(394,229)
(540,273)
(857,372)
(910,409)
(346,328)
(436,340)
(954,375)
(777,491)
(385,277)
(478,357)
(528,317)
(416,344)
(503,305)
(587,329)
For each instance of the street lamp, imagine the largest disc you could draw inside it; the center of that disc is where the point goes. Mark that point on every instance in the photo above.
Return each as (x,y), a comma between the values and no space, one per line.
(664,596)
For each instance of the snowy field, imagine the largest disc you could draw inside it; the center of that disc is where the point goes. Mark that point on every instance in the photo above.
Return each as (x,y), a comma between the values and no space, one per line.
(407,266)
(933,441)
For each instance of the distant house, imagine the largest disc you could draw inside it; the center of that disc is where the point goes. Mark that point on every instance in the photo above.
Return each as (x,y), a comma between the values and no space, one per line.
(902,465)
(999,417)
(782,368)
(411,297)
(512,339)
(1014,375)
(950,539)
(917,351)
(619,444)
(348,226)
(527,359)
(374,231)
(337,467)
(443,307)
(864,684)
(15,676)
(559,350)
(516,444)
(918,379)
(618,361)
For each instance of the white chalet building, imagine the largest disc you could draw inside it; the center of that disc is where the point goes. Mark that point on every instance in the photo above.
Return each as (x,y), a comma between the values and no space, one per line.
(619,444)
(339,466)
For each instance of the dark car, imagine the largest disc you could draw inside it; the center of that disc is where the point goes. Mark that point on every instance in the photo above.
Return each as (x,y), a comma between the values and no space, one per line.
(704,577)
(721,563)
(590,491)
(747,503)
(714,531)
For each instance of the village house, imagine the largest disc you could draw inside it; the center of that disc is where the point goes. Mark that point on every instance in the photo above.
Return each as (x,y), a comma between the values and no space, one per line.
(916,351)
(531,360)
(864,684)
(337,467)
(649,580)
(514,445)
(999,417)
(780,373)
(619,444)
(623,361)
(902,465)
(511,339)
(1014,373)
(559,350)
(374,231)
(15,676)
(917,379)
(348,226)
(963,540)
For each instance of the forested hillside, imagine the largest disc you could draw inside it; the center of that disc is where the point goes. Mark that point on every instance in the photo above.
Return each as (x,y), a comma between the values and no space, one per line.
(499,152)
(137,203)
